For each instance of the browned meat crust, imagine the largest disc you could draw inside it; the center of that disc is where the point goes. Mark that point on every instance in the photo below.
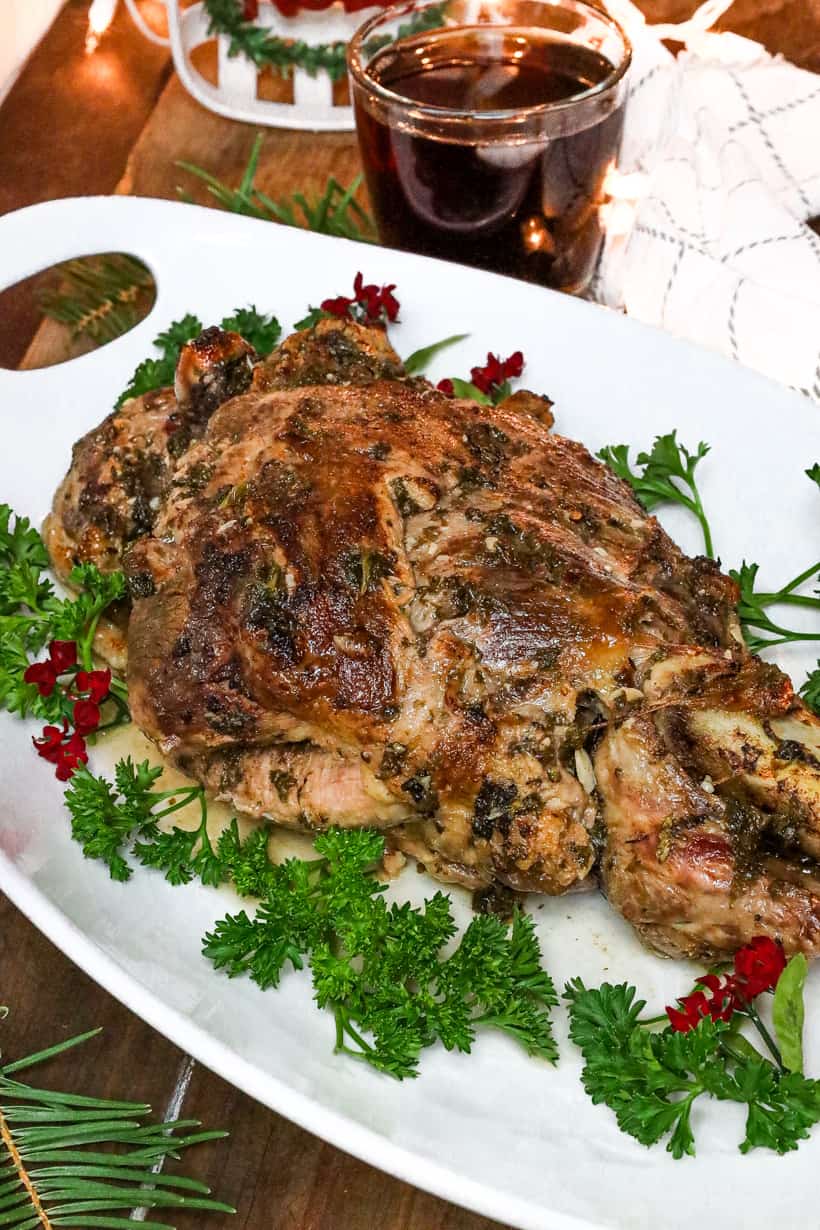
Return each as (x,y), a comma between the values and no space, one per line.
(361,602)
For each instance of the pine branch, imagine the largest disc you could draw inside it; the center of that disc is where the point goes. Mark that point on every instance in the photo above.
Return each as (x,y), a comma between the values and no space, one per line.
(99,297)
(51,1178)
(334,212)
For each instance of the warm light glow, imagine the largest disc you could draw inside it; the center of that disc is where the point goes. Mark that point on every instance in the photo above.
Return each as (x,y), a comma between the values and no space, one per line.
(100,16)
(623,191)
(617,217)
(535,235)
(624,187)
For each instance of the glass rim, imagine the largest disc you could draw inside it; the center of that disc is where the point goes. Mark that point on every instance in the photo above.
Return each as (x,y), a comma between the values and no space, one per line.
(517,115)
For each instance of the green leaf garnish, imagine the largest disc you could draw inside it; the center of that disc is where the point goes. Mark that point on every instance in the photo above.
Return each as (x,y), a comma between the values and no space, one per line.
(752,606)
(261,331)
(419,360)
(668,476)
(31,615)
(158,373)
(463,388)
(652,1079)
(380,968)
(788,1012)
(335,211)
(810,690)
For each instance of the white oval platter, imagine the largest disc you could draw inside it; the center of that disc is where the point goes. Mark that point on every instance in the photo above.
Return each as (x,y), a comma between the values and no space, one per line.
(511,1137)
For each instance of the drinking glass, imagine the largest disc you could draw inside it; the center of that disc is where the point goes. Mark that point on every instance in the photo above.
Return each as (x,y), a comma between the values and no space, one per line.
(487,130)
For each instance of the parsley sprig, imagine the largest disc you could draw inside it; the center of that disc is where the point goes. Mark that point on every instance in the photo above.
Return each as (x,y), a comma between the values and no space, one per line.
(667,476)
(31,614)
(651,1079)
(380,967)
(810,690)
(759,629)
(105,817)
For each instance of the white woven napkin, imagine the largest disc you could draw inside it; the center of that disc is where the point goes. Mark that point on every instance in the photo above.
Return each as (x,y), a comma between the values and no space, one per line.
(720,170)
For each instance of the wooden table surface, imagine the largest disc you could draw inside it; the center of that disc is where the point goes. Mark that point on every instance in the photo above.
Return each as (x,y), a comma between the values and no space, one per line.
(118,121)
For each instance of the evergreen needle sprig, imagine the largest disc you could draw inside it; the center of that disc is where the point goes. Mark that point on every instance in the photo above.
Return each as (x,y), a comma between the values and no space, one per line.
(334,212)
(267,50)
(99,297)
(71,1160)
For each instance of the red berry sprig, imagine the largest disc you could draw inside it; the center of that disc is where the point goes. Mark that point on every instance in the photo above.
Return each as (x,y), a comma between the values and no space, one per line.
(758,966)
(370,305)
(492,379)
(83,692)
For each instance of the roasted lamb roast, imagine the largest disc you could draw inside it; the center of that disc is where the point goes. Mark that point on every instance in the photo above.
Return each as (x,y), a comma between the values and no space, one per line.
(356,601)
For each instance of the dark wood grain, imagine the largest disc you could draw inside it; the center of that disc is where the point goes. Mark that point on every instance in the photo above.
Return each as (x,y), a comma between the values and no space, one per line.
(71,125)
(50,999)
(278,1176)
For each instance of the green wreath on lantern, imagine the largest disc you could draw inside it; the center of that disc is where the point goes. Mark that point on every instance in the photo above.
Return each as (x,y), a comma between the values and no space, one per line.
(235,19)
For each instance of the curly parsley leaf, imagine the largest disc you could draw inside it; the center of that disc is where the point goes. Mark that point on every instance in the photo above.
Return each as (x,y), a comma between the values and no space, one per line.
(105,815)
(813,473)
(380,967)
(109,818)
(23,559)
(652,1079)
(257,328)
(667,476)
(20,543)
(16,695)
(158,372)
(183,854)
(810,690)
(311,319)
(31,615)
(76,619)
(263,332)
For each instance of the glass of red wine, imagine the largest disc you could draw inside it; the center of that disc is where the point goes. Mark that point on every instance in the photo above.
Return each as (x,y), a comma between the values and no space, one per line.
(487,128)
